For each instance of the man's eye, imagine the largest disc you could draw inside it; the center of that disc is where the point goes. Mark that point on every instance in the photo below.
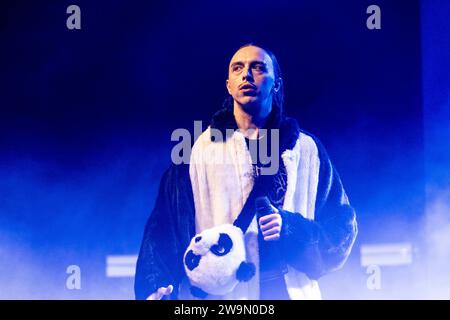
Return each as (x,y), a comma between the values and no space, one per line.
(259,68)
(237,68)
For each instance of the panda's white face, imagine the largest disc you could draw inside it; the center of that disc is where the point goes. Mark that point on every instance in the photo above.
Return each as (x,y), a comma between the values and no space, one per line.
(213,256)
(205,243)
(218,241)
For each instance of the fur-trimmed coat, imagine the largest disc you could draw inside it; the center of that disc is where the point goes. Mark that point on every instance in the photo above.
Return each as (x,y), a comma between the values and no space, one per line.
(319,225)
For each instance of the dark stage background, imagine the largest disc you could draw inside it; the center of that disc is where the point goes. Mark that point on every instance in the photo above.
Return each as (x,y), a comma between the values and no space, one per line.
(86,119)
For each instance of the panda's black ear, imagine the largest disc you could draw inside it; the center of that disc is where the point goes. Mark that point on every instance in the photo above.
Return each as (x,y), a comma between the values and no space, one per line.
(197,292)
(246,271)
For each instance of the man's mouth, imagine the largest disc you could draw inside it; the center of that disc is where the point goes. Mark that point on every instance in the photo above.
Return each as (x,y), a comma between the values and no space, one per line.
(247,87)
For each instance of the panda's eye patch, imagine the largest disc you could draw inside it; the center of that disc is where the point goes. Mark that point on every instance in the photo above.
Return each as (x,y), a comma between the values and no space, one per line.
(191,260)
(223,246)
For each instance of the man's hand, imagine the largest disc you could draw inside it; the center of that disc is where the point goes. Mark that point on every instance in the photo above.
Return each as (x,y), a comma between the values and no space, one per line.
(163,291)
(271,226)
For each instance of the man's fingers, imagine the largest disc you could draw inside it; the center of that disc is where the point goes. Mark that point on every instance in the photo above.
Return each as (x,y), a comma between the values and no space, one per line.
(270,225)
(154,296)
(165,290)
(169,290)
(273,237)
(162,291)
(269,217)
(271,232)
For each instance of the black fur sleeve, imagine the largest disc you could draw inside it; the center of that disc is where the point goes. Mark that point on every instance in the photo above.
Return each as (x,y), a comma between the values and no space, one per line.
(322,245)
(166,235)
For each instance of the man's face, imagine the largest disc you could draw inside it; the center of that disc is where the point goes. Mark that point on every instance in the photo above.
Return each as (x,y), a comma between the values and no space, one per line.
(251,78)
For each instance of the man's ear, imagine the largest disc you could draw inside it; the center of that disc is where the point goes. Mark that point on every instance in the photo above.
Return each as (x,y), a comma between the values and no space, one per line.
(277,84)
(228,86)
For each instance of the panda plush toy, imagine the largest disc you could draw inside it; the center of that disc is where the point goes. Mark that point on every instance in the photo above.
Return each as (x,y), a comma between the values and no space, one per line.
(215,261)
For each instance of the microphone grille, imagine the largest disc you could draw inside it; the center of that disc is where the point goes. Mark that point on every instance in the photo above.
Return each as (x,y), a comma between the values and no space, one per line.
(262,203)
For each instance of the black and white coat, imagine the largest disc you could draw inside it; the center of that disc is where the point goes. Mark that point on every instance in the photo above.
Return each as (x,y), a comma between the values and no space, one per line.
(319,225)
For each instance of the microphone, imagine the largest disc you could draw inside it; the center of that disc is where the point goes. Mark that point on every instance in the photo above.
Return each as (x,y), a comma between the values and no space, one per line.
(272,262)
(263,207)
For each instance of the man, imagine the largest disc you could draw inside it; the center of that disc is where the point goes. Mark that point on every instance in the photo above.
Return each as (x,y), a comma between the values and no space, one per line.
(312,226)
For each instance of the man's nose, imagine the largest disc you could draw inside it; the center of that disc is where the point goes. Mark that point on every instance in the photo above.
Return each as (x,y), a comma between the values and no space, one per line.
(247,74)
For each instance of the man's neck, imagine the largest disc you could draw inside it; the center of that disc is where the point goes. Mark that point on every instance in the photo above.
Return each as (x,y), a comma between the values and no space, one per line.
(249,124)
